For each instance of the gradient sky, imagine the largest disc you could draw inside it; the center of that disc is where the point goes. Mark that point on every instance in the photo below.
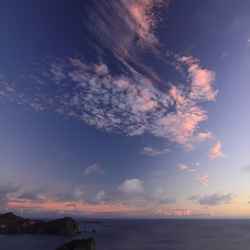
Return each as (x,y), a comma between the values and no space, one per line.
(125,108)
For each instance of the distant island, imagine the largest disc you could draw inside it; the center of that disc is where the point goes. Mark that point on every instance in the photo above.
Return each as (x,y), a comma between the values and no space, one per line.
(12,224)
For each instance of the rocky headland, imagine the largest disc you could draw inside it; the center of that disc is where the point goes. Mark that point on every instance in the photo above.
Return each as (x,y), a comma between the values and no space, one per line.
(12,224)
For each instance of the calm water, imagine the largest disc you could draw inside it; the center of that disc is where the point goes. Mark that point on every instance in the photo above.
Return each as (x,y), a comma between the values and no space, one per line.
(147,234)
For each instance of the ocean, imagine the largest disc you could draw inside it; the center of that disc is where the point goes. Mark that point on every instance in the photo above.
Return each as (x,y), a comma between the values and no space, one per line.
(147,234)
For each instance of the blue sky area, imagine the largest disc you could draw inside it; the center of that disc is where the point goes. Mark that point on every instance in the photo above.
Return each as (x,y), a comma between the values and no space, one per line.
(125,108)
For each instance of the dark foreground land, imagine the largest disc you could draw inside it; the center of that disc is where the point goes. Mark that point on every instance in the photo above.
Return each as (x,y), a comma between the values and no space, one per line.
(79,244)
(12,224)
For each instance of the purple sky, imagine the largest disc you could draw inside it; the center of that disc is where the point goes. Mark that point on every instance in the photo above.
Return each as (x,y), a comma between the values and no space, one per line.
(125,108)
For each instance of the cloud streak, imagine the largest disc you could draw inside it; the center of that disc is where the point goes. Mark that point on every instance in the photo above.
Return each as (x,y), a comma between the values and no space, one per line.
(153,152)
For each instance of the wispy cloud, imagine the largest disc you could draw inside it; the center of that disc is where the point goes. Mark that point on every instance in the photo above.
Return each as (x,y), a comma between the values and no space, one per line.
(246,168)
(194,197)
(126,28)
(191,170)
(216,151)
(223,54)
(204,178)
(95,168)
(184,167)
(153,152)
(71,205)
(205,135)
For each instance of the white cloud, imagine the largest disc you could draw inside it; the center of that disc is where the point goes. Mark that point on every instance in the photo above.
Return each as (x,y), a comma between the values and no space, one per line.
(131,187)
(160,196)
(95,168)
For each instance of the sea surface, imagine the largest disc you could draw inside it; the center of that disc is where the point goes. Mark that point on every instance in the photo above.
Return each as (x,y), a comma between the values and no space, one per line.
(147,234)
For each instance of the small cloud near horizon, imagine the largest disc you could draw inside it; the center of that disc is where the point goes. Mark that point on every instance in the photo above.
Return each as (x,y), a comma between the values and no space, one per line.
(213,200)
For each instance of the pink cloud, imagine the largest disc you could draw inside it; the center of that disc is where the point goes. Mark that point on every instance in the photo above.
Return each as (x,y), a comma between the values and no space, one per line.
(142,19)
(203,183)
(179,212)
(158,211)
(174,212)
(182,167)
(201,80)
(197,164)
(205,135)
(51,205)
(191,170)
(216,151)
(167,213)
(204,178)
(183,123)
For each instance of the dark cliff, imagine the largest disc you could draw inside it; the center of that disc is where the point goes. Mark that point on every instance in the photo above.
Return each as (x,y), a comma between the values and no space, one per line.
(12,224)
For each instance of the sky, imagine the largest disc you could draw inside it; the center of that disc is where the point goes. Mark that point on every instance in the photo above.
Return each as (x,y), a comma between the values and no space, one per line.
(125,108)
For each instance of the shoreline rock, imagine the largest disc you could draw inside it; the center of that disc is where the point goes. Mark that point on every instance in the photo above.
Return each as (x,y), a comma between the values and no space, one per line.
(79,244)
